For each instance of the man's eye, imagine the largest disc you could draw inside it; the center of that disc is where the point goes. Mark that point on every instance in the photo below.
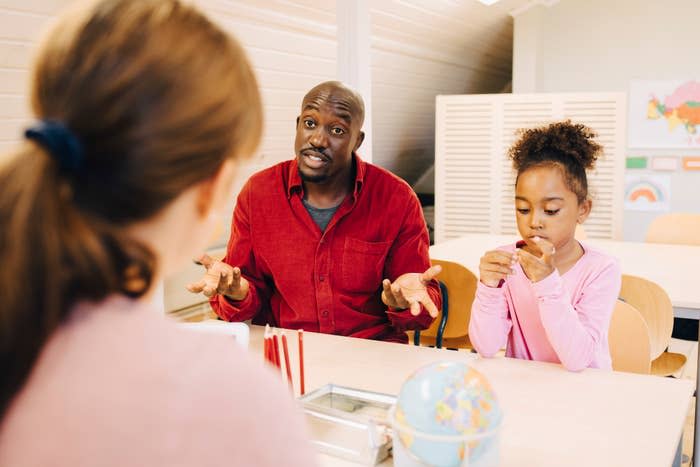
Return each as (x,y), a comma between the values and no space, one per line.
(337,131)
(309,123)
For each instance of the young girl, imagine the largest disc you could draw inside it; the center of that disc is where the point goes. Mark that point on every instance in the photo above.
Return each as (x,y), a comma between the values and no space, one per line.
(549,297)
(144,109)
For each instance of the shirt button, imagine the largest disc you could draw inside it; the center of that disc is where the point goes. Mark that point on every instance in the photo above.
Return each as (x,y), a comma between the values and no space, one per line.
(324,313)
(321,278)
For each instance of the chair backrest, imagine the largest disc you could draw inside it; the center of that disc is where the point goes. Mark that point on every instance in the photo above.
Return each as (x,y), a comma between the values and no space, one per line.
(680,228)
(460,283)
(653,304)
(628,340)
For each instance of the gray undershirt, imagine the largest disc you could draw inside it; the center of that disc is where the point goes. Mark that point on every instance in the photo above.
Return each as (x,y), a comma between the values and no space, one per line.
(320,216)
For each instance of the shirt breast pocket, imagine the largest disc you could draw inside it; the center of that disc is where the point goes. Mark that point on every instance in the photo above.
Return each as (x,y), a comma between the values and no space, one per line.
(363,264)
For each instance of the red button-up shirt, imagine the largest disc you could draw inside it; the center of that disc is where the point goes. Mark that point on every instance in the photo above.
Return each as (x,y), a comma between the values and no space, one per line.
(330,282)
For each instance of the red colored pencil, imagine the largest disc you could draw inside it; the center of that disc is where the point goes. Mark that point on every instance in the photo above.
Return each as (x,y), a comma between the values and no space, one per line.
(268,344)
(286,359)
(276,350)
(270,359)
(301,362)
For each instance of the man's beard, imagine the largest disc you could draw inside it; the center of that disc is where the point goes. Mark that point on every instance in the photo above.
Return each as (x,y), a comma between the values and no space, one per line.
(320,178)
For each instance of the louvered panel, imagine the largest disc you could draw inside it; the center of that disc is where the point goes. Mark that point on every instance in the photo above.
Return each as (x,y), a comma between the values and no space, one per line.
(475,179)
(463,137)
(604,117)
(506,224)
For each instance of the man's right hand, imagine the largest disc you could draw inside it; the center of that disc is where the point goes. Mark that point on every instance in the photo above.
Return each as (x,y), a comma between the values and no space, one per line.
(220,278)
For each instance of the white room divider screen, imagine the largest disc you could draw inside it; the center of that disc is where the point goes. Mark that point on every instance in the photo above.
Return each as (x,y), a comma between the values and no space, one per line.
(473,175)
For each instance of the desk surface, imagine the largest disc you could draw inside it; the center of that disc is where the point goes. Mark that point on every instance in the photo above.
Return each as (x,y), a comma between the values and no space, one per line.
(673,267)
(551,417)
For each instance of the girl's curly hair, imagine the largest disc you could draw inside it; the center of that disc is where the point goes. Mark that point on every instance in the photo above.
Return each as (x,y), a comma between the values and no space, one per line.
(569,146)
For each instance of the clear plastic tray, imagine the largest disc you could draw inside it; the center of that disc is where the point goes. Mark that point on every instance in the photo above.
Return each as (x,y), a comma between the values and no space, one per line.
(239,331)
(350,423)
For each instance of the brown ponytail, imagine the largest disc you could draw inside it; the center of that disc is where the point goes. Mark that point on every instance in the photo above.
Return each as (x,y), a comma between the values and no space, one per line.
(159,97)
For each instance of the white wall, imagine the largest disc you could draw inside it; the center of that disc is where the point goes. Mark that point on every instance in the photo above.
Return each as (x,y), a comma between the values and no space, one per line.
(293,47)
(421,49)
(21,25)
(600,45)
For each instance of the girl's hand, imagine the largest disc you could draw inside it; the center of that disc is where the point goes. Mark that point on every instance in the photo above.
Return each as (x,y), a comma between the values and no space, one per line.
(537,267)
(495,266)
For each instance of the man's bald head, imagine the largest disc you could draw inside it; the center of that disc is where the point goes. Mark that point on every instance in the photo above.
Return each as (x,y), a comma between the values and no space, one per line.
(329,131)
(343,98)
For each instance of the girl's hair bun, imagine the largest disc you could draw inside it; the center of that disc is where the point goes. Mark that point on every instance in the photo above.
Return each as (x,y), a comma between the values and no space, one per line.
(564,142)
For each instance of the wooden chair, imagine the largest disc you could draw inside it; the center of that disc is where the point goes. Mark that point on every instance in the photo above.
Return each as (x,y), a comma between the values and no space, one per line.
(628,340)
(679,228)
(450,329)
(655,307)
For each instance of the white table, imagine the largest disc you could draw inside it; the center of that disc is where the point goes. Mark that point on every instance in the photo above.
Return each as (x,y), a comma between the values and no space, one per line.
(552,417)
(673,267)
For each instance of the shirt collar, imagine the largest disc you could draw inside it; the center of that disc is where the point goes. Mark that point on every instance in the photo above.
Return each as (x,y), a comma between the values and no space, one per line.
(294,180)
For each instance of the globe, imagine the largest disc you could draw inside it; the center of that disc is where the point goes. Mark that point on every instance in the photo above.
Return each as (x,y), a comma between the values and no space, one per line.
(446,414)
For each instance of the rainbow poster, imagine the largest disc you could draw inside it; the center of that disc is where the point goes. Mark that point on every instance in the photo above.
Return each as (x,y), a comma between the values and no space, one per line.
(647,192)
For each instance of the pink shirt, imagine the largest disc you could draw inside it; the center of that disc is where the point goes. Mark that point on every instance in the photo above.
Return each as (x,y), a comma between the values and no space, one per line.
(562,318)
(121,385)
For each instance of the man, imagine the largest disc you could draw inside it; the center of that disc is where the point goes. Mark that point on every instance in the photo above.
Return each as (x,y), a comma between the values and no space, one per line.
(326,242)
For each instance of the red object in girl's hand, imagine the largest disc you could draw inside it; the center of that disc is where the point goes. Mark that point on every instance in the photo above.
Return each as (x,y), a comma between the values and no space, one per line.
(518,244)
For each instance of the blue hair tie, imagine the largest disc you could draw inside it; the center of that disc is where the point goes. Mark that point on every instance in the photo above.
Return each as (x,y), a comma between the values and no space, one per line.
(59,141)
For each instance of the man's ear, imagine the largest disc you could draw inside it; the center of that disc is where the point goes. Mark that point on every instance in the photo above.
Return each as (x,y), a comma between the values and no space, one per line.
(360,139)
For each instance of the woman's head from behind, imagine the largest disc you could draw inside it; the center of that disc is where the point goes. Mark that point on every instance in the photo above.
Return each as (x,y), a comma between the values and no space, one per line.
(551,188)
(160,102)
(158,96)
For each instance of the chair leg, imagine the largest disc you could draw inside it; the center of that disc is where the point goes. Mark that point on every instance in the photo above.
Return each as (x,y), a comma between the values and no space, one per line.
(445,312)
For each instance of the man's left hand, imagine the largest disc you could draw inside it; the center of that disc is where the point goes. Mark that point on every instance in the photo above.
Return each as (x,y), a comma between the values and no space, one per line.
(410,290)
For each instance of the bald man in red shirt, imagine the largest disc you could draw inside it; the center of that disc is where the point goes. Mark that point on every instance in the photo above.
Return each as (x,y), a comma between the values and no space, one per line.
(326,242)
